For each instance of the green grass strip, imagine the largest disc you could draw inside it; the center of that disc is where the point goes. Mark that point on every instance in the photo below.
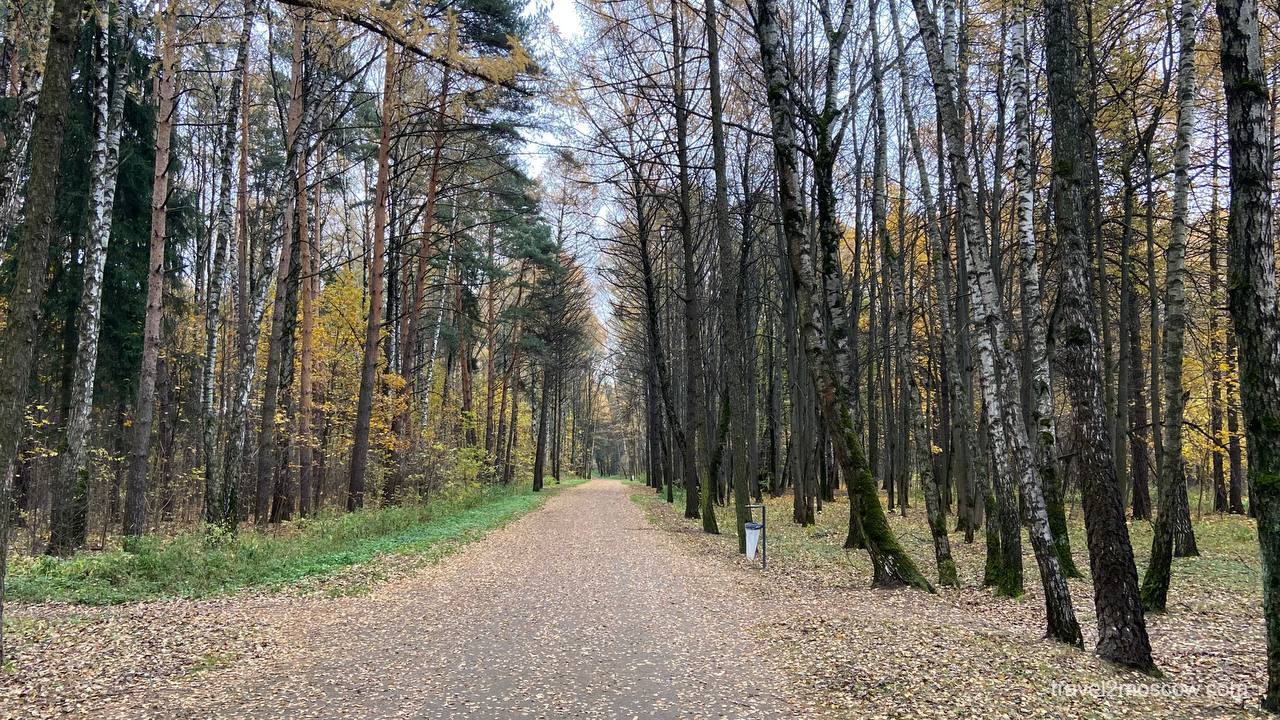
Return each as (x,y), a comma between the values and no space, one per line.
(199,564)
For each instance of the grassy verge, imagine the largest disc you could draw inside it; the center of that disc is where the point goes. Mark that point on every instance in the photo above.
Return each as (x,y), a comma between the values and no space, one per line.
(197,564)
(1227,573)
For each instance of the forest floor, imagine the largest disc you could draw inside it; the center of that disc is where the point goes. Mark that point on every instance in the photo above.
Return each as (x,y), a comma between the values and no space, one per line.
(965,652)
(606,603)
(580,609)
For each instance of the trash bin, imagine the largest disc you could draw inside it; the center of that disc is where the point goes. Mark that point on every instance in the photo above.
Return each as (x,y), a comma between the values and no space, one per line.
(753,538)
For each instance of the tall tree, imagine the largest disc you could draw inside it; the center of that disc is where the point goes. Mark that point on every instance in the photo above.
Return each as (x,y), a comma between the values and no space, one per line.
(283,309)
(216,496)
(891,564)
(31,257)
(1041,420)
(1251,264)
(373,326)
(1122,630)
(1005,424)
(135,498)
(69,513)
(694,425)
(1173,507)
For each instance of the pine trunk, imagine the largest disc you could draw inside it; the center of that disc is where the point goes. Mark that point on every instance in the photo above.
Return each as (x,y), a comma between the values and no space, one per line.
(135,494)
(373,328)
(282,314)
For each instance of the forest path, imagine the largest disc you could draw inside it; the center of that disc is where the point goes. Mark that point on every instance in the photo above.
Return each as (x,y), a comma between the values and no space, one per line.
(581,609)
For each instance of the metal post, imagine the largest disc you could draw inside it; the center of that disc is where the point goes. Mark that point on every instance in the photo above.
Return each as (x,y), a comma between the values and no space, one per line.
(764,538)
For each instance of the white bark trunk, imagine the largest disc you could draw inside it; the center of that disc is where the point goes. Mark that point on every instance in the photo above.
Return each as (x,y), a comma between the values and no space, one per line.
(70,501)
(217,497)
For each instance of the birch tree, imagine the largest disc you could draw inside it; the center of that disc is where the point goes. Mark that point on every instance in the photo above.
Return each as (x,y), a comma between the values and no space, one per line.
(1173,510)
(1251,262)
(1122,632)
(891,564)
(70,493)
(1000,381)
(1041,390)
(216,496)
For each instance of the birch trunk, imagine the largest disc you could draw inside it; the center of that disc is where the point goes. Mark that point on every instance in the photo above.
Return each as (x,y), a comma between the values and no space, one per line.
(22,86)
(1000,380)
(69,513)
(1252,295)
(891,564)
(1041,389)
(215,494)
(1173,482)
(1216,350)
(1122,632)
(252,283)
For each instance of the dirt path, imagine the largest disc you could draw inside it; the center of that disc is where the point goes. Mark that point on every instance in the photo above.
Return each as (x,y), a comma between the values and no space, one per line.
(581,609)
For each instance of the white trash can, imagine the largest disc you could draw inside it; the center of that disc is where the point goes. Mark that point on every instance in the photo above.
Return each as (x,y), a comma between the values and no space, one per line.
(753,538)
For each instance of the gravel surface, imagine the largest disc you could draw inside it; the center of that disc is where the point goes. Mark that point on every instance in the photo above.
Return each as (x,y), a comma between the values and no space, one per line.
(579,610)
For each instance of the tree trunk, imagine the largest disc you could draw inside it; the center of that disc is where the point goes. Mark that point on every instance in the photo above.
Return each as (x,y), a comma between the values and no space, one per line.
(1041,391)
(282,314)
(540,451)
(683,442)
(251,289)
(1173,483)
(215,494)
(69,514)
(369,367)
(732,346)
(693,400)
(31,255)
(891,564)
(490,341)
(1005,423)
(1252,296)
(1122,632)
(411,324)
(1235,453)
(1216,359)
(936,511)
(135,493)
(306,359)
